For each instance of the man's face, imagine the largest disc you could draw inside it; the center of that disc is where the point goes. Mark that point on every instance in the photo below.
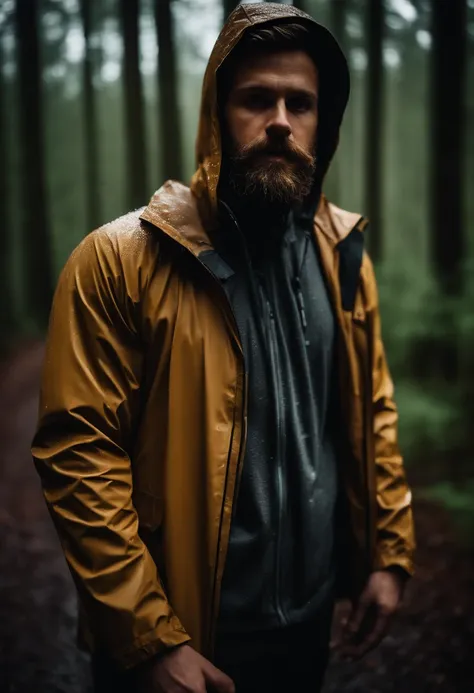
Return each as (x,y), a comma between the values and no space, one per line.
(272,120)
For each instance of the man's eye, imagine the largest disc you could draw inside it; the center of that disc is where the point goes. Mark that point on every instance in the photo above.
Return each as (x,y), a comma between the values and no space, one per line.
(298,105)
(257,101)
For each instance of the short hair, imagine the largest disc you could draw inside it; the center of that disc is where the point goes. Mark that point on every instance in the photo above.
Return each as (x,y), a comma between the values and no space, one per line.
(288,35)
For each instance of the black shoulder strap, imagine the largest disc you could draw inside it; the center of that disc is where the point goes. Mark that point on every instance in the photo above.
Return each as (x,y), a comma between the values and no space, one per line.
(351,250)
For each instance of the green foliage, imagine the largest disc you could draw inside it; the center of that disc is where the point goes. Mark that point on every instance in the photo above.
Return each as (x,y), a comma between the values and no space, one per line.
(436,412)
(459,501)
(426,421)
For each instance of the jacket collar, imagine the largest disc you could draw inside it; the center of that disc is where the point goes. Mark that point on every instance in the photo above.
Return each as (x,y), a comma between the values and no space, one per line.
(335,223)
(173,209)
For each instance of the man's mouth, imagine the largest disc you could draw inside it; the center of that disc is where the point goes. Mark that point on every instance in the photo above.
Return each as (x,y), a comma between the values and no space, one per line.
(277,156)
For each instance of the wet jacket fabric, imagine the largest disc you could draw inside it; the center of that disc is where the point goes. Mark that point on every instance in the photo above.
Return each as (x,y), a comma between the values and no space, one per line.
(143,412)
(280,563)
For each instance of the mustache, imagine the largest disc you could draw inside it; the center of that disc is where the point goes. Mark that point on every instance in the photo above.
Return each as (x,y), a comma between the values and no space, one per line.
(289,150)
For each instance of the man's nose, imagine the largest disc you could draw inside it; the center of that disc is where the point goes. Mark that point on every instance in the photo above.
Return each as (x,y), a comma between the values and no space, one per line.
(279,124)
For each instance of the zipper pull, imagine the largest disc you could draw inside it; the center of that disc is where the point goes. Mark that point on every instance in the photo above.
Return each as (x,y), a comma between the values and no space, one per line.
(300,302)
(299,298)
(270,310)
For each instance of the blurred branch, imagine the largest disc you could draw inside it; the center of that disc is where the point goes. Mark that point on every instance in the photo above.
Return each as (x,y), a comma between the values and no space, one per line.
(170,123)
(134,111)
(338,11)
(91,140)
(338,21)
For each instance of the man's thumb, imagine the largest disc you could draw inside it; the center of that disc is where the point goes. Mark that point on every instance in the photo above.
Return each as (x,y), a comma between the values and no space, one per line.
(219,682)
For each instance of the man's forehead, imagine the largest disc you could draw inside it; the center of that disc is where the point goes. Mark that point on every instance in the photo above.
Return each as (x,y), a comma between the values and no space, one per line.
(272,70)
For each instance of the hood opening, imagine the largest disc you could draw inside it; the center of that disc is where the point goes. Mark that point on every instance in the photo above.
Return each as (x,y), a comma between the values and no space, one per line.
(334,85)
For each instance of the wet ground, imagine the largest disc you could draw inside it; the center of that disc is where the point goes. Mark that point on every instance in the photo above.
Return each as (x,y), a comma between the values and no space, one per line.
(430,646)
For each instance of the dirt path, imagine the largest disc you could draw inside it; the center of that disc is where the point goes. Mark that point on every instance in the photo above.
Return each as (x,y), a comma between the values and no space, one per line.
(429,648)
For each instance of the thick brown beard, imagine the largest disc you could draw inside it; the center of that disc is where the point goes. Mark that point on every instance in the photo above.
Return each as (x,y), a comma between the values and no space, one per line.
(286,181)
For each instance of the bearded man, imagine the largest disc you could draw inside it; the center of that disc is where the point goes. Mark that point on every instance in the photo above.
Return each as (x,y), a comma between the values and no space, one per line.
(217,434)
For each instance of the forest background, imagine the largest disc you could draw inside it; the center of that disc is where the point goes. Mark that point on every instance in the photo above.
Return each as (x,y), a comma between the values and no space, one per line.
(99,103)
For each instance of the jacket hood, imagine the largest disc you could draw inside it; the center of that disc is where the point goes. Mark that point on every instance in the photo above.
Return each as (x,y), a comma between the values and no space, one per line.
(334,94)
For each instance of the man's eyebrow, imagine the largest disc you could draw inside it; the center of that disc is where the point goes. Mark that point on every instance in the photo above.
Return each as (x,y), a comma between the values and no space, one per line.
(261,88)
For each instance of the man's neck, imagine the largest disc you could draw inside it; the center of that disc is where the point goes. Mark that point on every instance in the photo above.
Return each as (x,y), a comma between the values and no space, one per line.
(260,225)
(251,212)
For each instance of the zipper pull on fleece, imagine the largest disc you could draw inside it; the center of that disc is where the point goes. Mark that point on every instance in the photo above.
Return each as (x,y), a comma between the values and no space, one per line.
(270,310)
(300,303)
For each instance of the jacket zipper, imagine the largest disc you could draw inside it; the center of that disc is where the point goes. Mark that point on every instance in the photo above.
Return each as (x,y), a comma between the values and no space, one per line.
(243,441)
(243,444)
(243,430)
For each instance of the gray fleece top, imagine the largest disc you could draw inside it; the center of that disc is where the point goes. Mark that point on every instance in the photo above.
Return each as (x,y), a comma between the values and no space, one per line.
(280,565)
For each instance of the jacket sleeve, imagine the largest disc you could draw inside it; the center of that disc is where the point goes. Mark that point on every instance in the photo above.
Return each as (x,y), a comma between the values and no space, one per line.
(394,540)
(89,406)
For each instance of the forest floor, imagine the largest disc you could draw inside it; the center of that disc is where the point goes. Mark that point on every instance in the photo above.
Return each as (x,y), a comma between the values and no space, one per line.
(430,646)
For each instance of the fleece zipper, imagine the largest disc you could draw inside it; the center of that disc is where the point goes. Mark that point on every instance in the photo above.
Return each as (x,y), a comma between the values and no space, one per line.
(279,451)
(279,459)
(271,339)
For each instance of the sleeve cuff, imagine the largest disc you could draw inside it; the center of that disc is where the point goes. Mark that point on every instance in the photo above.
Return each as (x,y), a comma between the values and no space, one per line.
(153,643)
(403,563)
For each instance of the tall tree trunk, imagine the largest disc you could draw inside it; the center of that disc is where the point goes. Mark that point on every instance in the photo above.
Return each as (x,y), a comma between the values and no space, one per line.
(36,236)
(6,308)
(337,22)
(134,110)
(170,122)
(90,121)
(374,132)
(338,10)
(447,144)
(229,6)
(448,71)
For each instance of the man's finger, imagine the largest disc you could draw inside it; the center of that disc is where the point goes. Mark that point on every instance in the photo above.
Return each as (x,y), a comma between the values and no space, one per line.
(373,638)
(357,617)
(217,679)
(338,636)
(378,632)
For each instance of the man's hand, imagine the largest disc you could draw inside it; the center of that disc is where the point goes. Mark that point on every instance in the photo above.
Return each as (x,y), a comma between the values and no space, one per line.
(183,670)
(371,615)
